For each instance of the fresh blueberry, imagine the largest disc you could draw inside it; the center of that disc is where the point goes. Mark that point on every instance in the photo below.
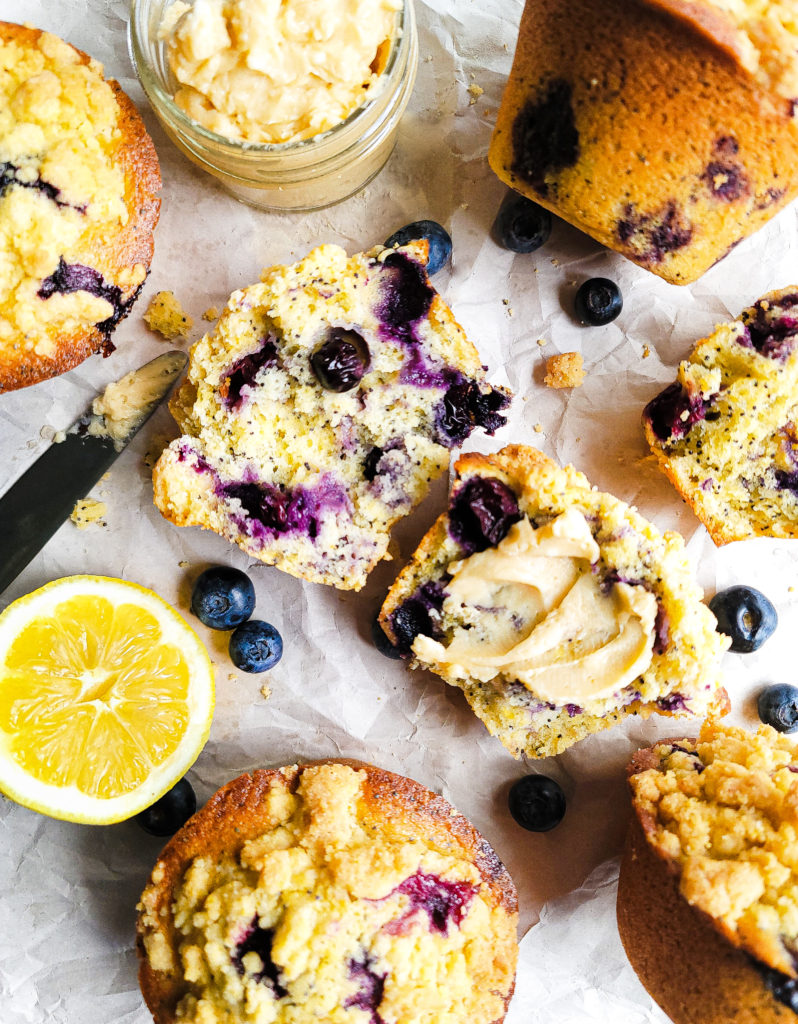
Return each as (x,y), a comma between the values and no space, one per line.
(521,225)
(746,616)
(255,646)
(438,239)
(537,803)
(341,360)
(171,812)
(778,706)
(223,597)
(381,641)
(598,301)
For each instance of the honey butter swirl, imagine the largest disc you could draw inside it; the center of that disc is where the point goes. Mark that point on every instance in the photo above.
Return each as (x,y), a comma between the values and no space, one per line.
(276,71)
(532,610)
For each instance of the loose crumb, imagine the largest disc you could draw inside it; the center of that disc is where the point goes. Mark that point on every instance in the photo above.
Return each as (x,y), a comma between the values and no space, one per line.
(87,512)
(59,437)
(564,371)
(265,691)
(538,428)
(211,313)
(542,342)
(646,351)
(475,91)
(183,564)
(167,317)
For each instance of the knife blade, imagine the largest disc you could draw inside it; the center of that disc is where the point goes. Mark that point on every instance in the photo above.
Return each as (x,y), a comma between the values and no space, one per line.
(36,505)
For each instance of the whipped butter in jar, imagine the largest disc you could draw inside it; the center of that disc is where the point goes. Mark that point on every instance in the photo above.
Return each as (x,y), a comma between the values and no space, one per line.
(291,104)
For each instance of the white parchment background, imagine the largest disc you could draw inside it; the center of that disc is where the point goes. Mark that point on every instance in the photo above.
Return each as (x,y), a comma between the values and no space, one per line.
(68,892)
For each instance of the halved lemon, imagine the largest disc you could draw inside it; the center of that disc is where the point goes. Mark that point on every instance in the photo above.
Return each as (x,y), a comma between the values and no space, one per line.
(106,699)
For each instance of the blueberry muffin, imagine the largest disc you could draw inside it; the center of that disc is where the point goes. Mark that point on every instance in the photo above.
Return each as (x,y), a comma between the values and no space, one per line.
(725,432)
(319,409)
(556,609)
(78,204)
(333,892)
(708,890)
(664,129)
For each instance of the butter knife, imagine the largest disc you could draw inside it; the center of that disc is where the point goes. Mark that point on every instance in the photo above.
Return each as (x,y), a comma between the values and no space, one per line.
(34,507)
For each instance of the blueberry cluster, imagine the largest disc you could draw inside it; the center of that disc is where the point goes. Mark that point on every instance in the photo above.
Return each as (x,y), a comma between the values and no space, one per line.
(224,598)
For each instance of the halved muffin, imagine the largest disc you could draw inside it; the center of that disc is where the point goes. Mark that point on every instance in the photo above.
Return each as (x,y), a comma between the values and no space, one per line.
(556,609)
(726,432)
(319,409)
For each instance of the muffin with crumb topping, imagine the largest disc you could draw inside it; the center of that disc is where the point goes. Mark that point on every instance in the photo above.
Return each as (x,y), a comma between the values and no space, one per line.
(708,890)
(557,609)
(319,409)
(333,892)
(78,204)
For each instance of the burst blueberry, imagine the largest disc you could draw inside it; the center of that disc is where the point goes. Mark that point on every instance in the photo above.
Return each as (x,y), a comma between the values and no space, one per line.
(223,597)
(745,615)
(778,706)
(341,360)
(438,239)
(482,512)
(171,812)
(598,301)
(521,225)
(255,646)
(537,803)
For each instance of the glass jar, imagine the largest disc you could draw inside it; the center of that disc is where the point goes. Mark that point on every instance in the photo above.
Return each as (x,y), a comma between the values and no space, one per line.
(304,175)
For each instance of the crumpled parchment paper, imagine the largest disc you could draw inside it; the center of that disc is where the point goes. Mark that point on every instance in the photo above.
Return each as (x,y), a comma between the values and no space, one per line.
(68,892)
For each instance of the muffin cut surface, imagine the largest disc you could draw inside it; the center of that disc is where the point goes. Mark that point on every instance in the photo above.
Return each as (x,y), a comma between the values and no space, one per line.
(725,432)
(557,609)
(318,410)
(332,892)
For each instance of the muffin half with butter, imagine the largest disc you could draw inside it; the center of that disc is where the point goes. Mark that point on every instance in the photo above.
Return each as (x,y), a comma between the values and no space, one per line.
(556,609)
(78,203)
(331,892)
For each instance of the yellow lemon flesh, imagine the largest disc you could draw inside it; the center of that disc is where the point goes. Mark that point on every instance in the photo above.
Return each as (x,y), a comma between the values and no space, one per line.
(106,699)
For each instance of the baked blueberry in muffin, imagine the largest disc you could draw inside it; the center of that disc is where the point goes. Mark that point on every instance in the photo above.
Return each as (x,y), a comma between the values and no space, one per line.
(708,889)
(319,409)
(556,609)
(78,204)
(328,892)
(726,432)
